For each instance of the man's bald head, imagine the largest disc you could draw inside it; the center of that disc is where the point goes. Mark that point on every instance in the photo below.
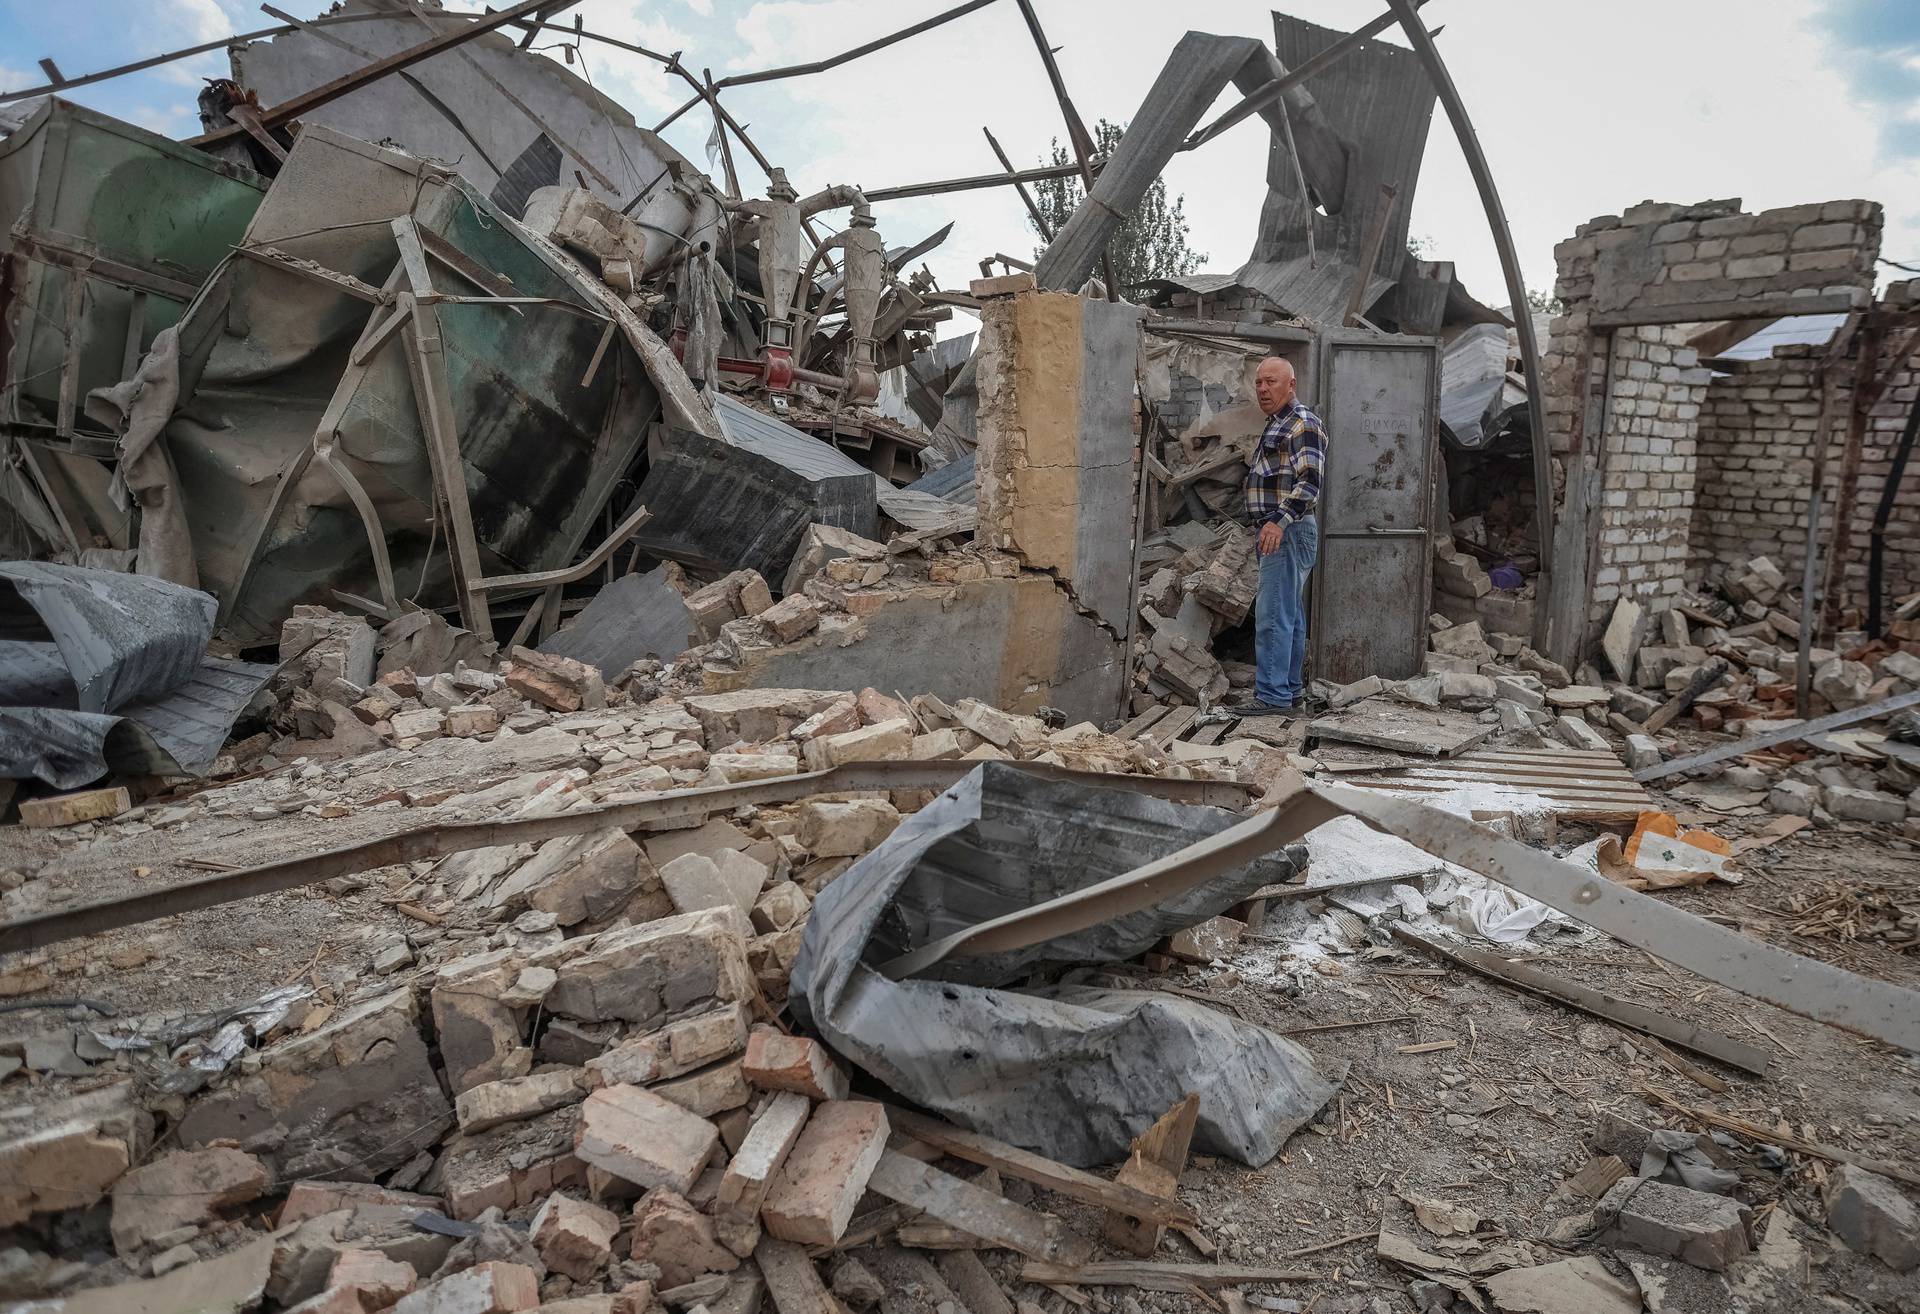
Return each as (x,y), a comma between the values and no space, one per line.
(1273,384)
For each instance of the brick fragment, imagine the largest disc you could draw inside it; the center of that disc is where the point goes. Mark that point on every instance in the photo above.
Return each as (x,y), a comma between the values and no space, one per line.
(642,1138)
(812,1197)
(798,1063)
(573,1236)
(679,1238)
(491,1288)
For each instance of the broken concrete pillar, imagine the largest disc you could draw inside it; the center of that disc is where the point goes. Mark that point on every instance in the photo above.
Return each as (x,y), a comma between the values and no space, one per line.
(1055,458)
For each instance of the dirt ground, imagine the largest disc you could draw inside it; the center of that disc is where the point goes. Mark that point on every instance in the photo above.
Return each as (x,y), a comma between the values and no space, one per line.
(1495,1123)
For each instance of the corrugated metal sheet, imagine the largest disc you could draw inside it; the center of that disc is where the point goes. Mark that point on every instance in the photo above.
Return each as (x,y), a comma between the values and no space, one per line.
(1378,100)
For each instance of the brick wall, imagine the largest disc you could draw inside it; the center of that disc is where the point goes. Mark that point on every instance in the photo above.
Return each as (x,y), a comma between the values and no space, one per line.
(1647,468)
(1636,470)
(1757,439)
(1756,456)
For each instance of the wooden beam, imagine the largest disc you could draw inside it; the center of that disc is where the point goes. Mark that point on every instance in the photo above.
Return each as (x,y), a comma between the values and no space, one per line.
(1013,1161)
(977,1211)
(1159,1157)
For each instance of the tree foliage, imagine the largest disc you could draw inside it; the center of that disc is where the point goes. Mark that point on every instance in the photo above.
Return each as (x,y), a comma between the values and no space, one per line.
(1150,244)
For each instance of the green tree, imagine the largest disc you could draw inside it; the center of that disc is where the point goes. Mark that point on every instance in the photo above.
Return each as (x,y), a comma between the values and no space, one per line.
(1151,243)
(1544,303)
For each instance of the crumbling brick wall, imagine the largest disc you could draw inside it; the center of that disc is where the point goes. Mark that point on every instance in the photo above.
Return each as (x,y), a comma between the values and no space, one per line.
(1625,462)
(1757,441)
(1647,469)
(1756,456)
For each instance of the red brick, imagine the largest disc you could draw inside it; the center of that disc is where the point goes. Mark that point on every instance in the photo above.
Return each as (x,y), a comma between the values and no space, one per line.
(573,1236)
(813,1195)
(797,1063)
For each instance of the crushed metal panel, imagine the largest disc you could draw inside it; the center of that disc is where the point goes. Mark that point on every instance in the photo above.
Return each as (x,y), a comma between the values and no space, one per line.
(153,218)
(1378,102)
(636,616)
(473,125)
(267,359)
(103,670)
(1371,586)
(1071,1073)
(720,506)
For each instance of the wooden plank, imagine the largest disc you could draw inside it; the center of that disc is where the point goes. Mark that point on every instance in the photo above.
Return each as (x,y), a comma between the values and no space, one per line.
(972,1282)
(1159,1156)
(1703,679)
(1585,998)
(1074,1183)
(973,1209)
(1210,733)
(72,809)
(1171,726)
(930,1234)
(1142,722)
(1162,1277)
(792,1280)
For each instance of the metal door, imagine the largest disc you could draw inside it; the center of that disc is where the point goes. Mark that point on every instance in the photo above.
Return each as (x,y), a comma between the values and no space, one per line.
(1378,396)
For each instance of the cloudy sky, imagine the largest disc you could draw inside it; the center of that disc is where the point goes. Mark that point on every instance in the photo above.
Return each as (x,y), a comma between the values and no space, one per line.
(1582,109)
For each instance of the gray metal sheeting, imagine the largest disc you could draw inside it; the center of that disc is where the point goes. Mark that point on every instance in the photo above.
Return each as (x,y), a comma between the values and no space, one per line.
(100,671)
(1070,1072)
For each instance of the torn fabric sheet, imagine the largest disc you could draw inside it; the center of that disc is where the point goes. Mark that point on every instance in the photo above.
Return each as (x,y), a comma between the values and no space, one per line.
(1070,1072)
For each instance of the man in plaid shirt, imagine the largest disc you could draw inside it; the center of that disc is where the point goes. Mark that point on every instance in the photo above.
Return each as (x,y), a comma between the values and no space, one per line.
(1282,490)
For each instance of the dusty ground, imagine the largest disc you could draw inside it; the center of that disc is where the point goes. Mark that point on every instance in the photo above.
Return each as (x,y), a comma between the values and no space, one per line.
(1495,1123)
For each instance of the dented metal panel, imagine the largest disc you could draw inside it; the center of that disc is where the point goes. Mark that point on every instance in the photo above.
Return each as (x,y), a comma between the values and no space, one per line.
(1378,396)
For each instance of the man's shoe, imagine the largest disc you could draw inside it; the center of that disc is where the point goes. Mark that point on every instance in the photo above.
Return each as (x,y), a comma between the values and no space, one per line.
(1285,710)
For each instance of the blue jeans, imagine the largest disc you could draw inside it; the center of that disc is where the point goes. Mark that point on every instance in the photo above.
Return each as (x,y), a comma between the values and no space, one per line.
(1280,616)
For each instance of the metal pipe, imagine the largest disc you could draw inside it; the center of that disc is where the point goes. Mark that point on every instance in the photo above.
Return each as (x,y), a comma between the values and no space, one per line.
(879,43)
(1422,42)
(1076,130)
(734,365)
(877,194)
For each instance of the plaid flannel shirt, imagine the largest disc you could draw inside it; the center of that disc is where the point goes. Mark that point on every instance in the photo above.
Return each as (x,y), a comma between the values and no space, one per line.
(1283,478)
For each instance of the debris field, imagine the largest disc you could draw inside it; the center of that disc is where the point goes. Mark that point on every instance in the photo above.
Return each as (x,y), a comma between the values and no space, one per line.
(566,745)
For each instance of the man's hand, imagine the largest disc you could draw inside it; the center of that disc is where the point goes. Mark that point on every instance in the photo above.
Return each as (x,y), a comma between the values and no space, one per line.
(1271,535)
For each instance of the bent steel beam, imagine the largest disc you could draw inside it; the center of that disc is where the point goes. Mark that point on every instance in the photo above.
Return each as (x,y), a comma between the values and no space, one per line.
(1422,42)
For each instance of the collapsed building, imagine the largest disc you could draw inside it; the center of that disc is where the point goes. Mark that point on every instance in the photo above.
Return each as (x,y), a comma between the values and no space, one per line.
(568,755)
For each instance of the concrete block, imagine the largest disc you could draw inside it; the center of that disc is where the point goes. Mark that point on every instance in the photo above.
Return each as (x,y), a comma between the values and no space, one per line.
(641,1138)
(1873,1217)
(649,975)
(1794,798)
(755,716)
(183,1189)
(358,1091)
(780,907)
(709,1092)
(776,1061)
(1643,751)
(1707,1231)
(729,879)
(583,878)
(470,722)
(1518,691)
(512,1165)
(813,1195)
(1865,805)
(793,617)
(886,741)
(479,1034)
(771,1137)
(375,1281)
(1574,731)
